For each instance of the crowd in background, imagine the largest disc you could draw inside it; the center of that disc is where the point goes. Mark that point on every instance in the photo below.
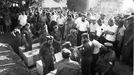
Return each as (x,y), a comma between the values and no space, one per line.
(83,38)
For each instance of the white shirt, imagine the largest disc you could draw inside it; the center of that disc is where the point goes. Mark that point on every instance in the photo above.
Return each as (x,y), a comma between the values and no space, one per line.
(111,29)
(54,17)
(61,20)
(22,19)
(82,26)
(97,45)
(93,27)
(100,29)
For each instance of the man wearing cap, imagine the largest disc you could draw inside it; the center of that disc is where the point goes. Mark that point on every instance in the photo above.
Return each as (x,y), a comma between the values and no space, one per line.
(47,55)
(67,66)
(83,26)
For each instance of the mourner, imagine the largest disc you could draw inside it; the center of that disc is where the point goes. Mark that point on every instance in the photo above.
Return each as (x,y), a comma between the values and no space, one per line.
(83,26)
(86,55)
(47,55)
(91,42)
(67,66)
(27,36)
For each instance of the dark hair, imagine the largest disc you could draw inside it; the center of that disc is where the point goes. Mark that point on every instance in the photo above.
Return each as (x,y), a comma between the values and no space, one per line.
(99,21)
(80,14)
(69,16)
(52,13)
(66,53)
(91,37)
(121,22)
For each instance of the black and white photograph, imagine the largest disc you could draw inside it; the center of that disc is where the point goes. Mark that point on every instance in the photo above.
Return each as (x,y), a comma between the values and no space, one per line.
(66,37)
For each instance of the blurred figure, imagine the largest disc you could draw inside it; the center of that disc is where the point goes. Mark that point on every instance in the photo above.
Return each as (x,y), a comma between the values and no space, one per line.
(83,26)
(8,22)
(127,44)
(93,26)
(67,66)
(60,22)
(102,18)
(43,34)
(27,36)
(57,39)
(119,37)
(72,37)
(100,29)
(86,55)
(47,55)
(69,24)
(54,17)
(56,34)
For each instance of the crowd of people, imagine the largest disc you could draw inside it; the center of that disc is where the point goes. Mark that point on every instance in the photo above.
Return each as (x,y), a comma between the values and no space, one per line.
(89,44)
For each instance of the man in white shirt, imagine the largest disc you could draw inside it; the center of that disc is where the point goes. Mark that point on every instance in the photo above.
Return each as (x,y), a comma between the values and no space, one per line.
(60,22)
(22,19)
(53,22)
(54,17)
(97,46)
(83,26)
(93,27)
(100,28)
(111,30)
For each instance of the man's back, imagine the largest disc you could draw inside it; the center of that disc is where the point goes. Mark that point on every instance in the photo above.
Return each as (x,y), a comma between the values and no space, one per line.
(68,68)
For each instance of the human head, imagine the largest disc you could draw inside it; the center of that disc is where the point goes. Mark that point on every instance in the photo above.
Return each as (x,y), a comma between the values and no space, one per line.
(27,25)
(85,37)
(91,37)
(99,22)
(121,23)
(93,19)
(111,22)
(66,53)
(67,45)
(69,17)
(23,12)
(79,14)
(83,18)
(55,28)
(102,16)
